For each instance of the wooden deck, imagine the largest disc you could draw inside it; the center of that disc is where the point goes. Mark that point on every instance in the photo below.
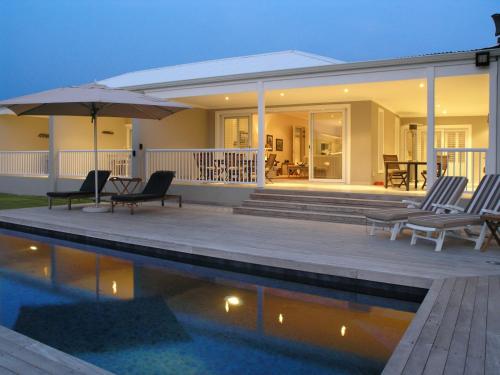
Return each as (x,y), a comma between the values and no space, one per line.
(22,355)
(455,331)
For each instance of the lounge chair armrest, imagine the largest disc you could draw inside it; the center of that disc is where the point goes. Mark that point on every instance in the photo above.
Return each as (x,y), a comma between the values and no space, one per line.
(448,208)
(411,204)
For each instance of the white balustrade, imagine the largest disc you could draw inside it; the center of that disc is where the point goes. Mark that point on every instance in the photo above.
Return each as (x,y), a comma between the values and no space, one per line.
(230,166)
(466,162)
(24,163)
(78,163)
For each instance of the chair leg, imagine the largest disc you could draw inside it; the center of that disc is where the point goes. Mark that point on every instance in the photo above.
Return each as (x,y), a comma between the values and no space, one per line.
(69,204)
(50,203)
(372,229)
(112,207)
(395,231)
(180,201)
(482,236)
(413,241)
(163,203)
(440,241)
(131,209)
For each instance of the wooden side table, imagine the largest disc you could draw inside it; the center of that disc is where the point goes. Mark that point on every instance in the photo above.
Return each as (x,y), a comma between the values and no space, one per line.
(493,223)
(125,185)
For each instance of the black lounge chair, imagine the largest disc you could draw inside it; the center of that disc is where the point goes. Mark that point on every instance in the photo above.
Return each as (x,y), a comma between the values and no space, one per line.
(87,189)
(155,190)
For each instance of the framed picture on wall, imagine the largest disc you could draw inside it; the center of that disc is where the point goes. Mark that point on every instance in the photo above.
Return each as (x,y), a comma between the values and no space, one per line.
(279,144)
(269,142)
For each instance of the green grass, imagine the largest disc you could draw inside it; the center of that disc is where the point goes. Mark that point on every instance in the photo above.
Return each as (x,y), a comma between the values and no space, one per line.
(10,201)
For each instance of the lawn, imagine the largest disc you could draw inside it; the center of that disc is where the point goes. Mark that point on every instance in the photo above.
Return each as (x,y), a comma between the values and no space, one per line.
(8,201)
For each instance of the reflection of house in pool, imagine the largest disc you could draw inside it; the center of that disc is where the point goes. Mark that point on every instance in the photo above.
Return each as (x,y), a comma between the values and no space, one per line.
(103,326)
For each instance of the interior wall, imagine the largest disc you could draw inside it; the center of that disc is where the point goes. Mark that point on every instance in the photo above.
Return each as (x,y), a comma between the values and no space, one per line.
(185,129)
(479,133)
(77,133)
(21,133)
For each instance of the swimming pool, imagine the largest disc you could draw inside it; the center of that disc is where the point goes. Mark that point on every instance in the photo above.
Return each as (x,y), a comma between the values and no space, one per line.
(138,315)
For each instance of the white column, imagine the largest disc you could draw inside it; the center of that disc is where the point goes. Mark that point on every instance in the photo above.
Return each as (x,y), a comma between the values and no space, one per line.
(261,178)
(53,156)
(431,155)
(493,154)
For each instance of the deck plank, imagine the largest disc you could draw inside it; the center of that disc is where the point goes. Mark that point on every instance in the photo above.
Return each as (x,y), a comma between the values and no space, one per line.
(455,363)
(492,360)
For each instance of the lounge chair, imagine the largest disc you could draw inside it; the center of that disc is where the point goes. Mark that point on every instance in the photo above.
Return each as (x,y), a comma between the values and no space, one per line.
(155,190)
(459,221)
(87,190)
(445,191)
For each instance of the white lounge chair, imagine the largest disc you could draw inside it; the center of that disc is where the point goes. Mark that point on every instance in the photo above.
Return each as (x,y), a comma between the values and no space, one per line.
(445,191)
(457,221)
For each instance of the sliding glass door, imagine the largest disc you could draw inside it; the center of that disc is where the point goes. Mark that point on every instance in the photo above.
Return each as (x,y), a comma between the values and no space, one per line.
(327,146)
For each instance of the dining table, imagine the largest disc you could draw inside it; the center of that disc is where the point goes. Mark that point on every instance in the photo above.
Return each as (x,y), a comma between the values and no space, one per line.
(409,164)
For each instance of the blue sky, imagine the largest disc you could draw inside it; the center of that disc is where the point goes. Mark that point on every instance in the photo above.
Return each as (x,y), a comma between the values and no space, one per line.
(52,43)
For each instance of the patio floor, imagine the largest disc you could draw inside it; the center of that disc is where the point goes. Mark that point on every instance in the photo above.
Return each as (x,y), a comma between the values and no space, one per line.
(329,248)
(455,330)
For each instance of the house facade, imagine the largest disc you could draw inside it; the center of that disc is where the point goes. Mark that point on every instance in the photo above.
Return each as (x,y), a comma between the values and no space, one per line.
(289,119)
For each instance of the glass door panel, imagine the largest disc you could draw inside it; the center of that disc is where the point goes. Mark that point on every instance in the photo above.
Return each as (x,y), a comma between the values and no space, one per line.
(237,132)
(327,145)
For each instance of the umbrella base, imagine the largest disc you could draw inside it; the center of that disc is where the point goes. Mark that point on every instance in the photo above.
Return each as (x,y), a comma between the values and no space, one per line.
(96,209)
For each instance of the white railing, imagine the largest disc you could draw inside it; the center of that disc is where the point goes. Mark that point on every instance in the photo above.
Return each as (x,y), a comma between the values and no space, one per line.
(78,163)
(24,163)
(466,162)
(230,166)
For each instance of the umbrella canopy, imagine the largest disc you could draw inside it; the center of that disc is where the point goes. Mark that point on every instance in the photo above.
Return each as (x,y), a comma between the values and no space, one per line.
(92,100)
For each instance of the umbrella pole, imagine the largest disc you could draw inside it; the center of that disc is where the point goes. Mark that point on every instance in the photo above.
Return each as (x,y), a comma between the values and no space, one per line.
(96,164)
(96,207)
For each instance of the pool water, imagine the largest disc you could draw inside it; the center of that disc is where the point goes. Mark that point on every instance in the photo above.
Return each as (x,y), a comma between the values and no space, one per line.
(138,315)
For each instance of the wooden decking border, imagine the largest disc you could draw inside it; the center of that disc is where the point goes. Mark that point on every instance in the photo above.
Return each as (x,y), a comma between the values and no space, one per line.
(455,331)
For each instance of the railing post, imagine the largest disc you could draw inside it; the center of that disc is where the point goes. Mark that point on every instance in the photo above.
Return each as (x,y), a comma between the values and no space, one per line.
(431,152)
(261,173)
(493,153)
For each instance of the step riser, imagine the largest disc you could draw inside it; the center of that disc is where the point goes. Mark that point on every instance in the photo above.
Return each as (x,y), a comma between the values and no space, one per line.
(300,216)
(337,194)
(306,207)
(324,200)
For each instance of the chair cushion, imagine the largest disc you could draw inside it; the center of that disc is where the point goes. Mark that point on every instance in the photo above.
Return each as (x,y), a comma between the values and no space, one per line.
(69,194)
(445,221)
(136,197)
(395,214)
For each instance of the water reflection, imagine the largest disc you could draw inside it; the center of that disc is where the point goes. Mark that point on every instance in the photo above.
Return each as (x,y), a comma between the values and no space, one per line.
(279,316)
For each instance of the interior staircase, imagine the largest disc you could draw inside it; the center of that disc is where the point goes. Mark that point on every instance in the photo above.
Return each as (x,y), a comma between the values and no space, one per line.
(340,207)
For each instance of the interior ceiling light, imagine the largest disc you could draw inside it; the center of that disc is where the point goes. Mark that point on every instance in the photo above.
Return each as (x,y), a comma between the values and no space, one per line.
(282,94)
(226,98)
(444,112)
(346,90)
(33,247)
(421,85)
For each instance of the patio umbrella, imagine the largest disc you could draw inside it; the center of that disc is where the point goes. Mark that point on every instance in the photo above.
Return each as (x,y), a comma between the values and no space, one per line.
(95,101)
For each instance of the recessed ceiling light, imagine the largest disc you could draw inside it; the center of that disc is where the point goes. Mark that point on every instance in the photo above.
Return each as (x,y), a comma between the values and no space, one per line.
(343,330)
(282,94)
(233,300)
(444,112)
(33,247)
(346,90)
(421,85)
(226,98)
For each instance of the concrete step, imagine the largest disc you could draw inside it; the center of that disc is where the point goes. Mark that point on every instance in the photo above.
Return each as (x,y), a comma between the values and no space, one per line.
(301,215)
(325,200)
(307,207)
(396,196)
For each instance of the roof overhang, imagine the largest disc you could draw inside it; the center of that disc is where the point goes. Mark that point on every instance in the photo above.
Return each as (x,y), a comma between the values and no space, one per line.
(343,68)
